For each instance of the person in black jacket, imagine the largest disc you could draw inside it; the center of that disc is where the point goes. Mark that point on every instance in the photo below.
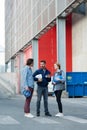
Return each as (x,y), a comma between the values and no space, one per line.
(42,77)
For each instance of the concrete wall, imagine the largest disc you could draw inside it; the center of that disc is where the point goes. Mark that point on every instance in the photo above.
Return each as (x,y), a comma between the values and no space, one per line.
(79,42)
(8,84)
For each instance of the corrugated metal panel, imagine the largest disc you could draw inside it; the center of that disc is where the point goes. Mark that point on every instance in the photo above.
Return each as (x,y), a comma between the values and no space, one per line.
(52,11)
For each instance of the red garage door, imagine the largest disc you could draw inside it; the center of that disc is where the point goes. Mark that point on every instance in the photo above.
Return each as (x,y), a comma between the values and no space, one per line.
(48,49)
(69,43)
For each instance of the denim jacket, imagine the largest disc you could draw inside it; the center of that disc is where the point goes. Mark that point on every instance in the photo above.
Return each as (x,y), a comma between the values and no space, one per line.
(59,84)
(27,78)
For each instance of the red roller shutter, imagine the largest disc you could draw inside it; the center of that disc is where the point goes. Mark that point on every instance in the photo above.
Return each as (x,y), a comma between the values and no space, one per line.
(47,48)
(69,43)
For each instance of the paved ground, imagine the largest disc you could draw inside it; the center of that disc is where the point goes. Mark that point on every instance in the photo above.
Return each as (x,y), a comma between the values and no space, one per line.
(12,116)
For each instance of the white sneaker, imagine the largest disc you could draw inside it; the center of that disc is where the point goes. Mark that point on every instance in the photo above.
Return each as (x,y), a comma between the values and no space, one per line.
(29,115)
(59,114)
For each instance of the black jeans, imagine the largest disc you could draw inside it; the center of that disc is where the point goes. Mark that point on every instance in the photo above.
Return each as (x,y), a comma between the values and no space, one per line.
(58,94)
(42,91)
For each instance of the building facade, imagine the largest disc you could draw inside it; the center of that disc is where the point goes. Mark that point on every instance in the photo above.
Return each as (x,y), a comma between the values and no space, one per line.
(2,59)
(54,30)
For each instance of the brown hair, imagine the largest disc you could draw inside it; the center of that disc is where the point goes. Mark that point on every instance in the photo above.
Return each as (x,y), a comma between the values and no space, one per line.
(58,65)
(43,61)
(29,61)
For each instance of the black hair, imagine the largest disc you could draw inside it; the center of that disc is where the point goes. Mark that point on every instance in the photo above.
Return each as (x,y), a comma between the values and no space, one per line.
(29,61)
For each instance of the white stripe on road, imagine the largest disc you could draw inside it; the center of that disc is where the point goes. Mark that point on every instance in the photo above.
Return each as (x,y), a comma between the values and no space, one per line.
(44,120)
(75,119)
(4,120)
(83,103)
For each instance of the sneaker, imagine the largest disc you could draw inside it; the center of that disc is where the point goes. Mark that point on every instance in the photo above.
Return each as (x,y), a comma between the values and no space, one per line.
(28,115)
(48,114)
(59,114)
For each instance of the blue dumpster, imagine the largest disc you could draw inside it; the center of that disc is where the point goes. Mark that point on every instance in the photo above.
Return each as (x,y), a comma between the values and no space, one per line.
(74,84)
(70,90)
(84,82)
(78,90)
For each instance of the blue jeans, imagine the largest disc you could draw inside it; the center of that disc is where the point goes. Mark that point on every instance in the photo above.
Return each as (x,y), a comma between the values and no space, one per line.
(42,91)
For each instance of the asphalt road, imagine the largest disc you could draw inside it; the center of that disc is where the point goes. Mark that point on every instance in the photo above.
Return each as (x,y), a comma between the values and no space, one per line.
(12,116)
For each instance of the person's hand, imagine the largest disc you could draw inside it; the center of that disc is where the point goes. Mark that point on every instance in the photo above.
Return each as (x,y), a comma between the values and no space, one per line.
(53,83)
(48,76)
(26,88)
(57,78)
(40,80)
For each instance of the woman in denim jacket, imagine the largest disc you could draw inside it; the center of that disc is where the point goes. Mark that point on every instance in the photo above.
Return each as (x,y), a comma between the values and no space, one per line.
(58,86)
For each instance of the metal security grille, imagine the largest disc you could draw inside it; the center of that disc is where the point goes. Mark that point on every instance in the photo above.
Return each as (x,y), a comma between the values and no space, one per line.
(71,7)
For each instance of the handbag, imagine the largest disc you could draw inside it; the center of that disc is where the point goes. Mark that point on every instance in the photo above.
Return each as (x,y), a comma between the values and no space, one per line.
(26,93)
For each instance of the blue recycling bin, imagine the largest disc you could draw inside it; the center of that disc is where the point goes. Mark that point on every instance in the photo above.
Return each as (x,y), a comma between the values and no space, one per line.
(84,82)
(74,84)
